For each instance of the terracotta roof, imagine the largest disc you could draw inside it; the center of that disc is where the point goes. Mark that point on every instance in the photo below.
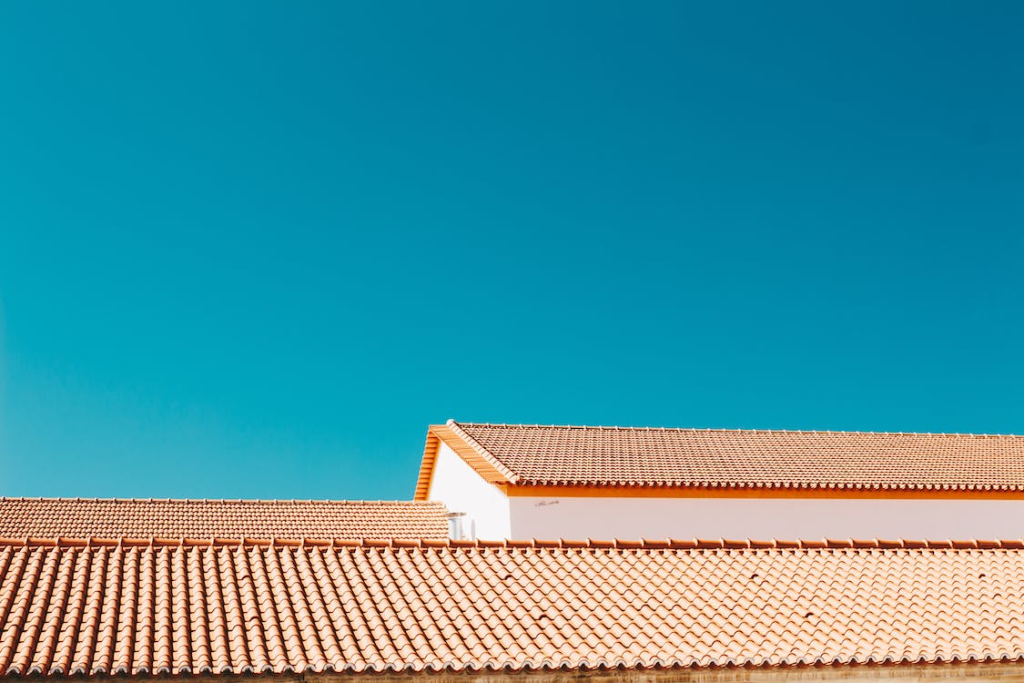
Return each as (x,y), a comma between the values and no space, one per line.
(180,607)
(107,518)
(716,458)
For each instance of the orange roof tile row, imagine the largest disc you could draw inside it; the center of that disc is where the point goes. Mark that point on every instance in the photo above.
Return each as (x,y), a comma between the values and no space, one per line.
(718,458)
(141,518)
(184,610)
(615,544)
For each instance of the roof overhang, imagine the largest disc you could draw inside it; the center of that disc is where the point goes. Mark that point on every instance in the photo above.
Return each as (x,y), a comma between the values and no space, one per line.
(535,490)
(472,455)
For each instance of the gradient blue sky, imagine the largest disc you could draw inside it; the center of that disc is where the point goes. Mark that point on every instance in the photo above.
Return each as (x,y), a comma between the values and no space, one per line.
(253,249)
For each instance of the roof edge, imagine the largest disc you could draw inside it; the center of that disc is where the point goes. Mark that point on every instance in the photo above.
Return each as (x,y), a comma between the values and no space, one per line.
(759,489)
(454,426)
(430,448)
(466,447)
(593,544)
(729,430)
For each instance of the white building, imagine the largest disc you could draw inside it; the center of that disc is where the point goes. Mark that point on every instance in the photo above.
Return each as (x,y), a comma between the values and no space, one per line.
(522,481)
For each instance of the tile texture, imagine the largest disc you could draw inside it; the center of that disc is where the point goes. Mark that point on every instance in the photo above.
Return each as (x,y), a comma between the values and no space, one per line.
(714,458)
(115,518)
(181,608)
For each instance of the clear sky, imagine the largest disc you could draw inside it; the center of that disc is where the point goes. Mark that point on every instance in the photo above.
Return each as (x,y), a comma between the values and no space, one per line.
(253,249)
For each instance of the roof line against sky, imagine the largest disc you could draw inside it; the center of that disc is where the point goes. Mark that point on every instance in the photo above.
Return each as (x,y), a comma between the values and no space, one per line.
(489,456)
(467,448)
(728,430)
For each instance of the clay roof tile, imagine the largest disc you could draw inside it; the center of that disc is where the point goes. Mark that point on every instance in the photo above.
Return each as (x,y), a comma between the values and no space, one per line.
(70,607)
(40,520)
(651,458)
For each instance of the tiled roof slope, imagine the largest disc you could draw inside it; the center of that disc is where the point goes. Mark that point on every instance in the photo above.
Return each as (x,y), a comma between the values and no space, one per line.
(178,608)
(112,518)
(715,458)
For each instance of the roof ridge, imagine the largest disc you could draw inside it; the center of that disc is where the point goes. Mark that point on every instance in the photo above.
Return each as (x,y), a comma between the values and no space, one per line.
(728,430)
(613,544)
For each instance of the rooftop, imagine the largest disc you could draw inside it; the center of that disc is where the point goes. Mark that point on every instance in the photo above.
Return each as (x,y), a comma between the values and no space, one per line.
(537,455)
(181,608)
(144,518)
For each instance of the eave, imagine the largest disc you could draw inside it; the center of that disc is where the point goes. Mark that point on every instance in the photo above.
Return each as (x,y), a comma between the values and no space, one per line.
(524,490)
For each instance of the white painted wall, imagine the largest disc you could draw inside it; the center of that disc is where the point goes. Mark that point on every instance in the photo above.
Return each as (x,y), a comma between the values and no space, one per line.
(764,518)
(491,515)
(461,489)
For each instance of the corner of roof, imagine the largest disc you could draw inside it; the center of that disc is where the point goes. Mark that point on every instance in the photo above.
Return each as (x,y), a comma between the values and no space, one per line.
(476,456)
(426,475)
(487,455)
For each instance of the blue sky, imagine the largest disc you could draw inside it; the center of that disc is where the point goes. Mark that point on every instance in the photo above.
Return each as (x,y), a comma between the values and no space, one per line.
(253,249)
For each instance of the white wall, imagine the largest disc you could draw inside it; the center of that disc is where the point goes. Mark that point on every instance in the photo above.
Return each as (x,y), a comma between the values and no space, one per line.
(764,518)
(461,489)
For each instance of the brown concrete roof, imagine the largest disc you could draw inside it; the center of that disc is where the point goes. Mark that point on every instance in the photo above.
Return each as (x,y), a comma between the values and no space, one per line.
(183,608)
(535,455)
(142,518)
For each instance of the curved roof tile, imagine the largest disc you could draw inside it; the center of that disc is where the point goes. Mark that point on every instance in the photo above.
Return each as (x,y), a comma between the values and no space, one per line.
(761,459)
(144,518)
(180,608)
